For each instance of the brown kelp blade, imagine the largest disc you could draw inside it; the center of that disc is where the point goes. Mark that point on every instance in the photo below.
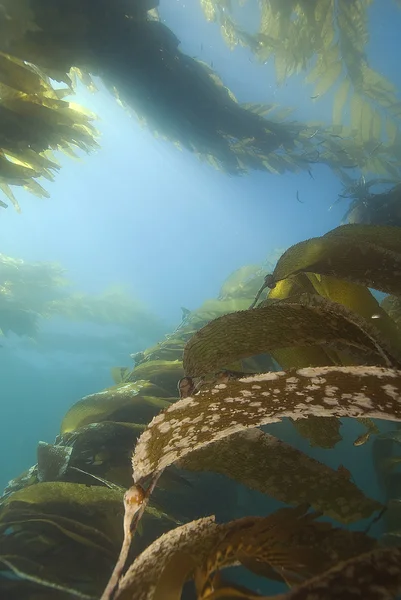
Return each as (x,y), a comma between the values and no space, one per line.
(193,423)
(366,254)
(314,322)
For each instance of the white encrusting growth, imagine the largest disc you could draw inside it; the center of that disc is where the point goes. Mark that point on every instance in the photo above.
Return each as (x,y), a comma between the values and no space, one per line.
(249,402)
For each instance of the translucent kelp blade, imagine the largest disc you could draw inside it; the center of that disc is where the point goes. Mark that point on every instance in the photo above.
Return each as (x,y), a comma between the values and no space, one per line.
(267,464)
(136,402)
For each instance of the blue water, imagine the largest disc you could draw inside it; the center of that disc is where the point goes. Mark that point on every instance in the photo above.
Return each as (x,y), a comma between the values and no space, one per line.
(142,214)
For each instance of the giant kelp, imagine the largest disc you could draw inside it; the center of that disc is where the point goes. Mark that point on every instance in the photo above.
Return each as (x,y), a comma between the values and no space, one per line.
(365,254)
(282,324)
(34,121)
(30,291)
(169,439)
(326,40)
(177,96)
(263,462)
(279,542)
(255,400)
(214,428)
(366,207)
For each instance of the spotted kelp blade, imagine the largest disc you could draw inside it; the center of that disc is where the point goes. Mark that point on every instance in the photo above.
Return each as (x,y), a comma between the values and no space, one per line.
(193,423)
(280,325)
(165,565)
(366,254)
(372,576)
(280,546)
(267,464)
(162,569)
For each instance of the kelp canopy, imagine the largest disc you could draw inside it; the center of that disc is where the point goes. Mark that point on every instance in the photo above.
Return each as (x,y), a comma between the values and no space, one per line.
(63,521)
(183,99)
(31,291)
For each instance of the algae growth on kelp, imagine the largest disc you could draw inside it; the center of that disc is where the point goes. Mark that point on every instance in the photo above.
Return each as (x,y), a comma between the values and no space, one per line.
(201,360)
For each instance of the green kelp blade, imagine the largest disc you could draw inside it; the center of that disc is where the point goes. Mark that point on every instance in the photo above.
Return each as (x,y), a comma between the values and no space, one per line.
(365,254)
(384,236)
(237,284)
(31,572)
(25,521)
(135,402)
(72,500)
(119,374)
(267,464)
(163,373)
(279,325)
(195,422)
(75,554)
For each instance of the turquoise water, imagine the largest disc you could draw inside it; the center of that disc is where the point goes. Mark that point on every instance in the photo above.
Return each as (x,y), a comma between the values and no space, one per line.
(141,228)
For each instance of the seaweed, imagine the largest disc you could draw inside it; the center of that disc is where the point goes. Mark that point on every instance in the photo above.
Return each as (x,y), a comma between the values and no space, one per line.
(31,291)
(326,42)
(72,503)
(179,97)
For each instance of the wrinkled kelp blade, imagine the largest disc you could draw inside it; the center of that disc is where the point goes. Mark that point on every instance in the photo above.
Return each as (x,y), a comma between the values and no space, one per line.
(280,325)
(195,422)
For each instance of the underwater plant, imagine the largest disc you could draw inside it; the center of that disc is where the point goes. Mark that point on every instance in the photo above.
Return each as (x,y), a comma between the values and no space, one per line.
(326,40)
(183,99)
(383,208)
(30,291)
(64,517)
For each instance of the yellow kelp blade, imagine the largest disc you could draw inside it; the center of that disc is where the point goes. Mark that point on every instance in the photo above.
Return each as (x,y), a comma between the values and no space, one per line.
(372,392)
(366,254)
(360,300)
(133,402)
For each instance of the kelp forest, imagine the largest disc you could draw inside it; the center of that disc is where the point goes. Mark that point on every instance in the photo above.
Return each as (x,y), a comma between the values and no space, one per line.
(128,502)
